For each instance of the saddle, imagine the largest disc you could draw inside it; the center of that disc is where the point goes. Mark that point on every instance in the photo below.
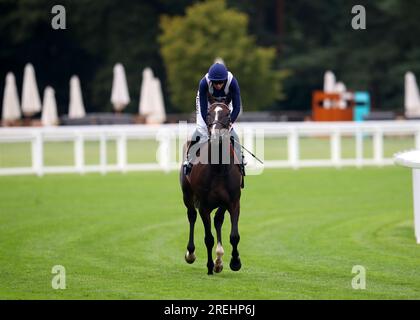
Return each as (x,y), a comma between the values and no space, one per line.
(188,167)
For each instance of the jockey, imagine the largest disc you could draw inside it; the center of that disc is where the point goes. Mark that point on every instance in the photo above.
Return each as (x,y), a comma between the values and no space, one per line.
(218,85)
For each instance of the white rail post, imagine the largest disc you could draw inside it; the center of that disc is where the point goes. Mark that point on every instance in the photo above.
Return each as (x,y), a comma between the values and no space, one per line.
(416,196)
(182,139)
(293,147)
(378,146)
(122,152)
(359,147)
(79,154)
(249,144)
(417,140)
(38,154)
(173,150)
(336,148)
(258,151)
(102,153)
(163,152)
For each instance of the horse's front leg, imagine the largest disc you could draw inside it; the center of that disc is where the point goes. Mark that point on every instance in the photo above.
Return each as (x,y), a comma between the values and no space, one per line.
(208,237)
(192,217)
(235,262)
(218,222)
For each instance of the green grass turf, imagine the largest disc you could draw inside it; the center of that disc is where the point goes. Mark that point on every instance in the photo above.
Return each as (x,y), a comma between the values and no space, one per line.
(123,236)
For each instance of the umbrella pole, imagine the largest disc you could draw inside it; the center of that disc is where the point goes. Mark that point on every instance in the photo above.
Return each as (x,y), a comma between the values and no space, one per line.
(118,109)
(27,121)
(416,204)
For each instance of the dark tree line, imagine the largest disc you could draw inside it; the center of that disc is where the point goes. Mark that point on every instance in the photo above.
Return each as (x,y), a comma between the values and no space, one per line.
(316,35)
(99,34)
(310,37)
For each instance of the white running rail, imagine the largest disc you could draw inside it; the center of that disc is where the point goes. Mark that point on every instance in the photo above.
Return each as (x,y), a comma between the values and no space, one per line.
(168,134)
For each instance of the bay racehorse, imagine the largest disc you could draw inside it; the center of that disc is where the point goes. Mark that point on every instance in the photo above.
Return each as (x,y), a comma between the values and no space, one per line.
(214,183)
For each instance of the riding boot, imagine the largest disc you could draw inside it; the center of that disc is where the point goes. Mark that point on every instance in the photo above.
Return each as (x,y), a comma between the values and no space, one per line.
(242,165)
(187,166)
(188,163)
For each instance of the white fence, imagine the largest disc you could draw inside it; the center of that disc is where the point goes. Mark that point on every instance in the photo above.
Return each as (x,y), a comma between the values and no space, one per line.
(252,134)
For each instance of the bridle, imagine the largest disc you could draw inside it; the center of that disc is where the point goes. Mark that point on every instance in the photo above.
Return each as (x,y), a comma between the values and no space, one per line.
(224,124)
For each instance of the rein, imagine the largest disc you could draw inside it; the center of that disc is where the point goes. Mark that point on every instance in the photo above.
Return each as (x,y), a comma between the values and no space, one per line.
(224,125)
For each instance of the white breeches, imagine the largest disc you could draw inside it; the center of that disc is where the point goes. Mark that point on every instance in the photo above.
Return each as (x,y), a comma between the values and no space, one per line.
(201,124)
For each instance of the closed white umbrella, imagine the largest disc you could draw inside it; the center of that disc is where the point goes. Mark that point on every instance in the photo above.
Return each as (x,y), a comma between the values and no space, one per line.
(329,86)
(11,108)
(340,88)
(151,98)
(411,96)
(119,96)
(146,97)
(49,115)
(31,102)
(158,114)
(76,107)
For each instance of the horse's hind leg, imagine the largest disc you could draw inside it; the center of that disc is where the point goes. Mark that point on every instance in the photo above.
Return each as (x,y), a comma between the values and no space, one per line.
(192,217)
(218,222)
(235,262)
(190,255)
(208,237)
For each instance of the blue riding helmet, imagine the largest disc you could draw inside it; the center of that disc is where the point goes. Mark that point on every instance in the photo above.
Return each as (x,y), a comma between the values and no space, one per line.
(218,72)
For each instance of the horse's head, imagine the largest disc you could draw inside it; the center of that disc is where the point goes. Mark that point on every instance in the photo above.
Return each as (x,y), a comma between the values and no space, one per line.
(218,120)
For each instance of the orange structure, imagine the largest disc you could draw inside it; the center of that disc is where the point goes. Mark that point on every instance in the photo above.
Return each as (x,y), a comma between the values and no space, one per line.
(334,113)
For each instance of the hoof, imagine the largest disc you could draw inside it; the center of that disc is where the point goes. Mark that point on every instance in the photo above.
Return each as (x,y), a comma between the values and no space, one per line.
(218,267)
(190,257)
(218,263)
(210,267)
(235,265)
